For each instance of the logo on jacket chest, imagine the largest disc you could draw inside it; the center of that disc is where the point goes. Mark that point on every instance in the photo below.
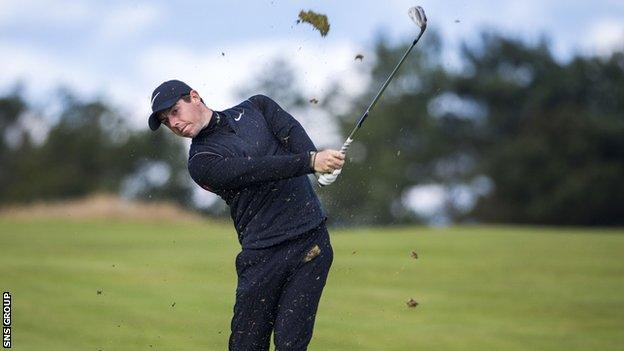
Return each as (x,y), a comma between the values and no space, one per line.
(239,116)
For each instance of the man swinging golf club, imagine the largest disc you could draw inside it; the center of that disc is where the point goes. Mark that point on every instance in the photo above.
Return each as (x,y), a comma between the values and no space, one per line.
(256,157)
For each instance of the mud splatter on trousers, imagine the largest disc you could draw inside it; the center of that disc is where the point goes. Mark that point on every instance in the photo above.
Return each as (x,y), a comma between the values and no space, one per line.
(278,291)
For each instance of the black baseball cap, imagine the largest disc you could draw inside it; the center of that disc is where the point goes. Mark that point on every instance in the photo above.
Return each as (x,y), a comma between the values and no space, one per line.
(165,96)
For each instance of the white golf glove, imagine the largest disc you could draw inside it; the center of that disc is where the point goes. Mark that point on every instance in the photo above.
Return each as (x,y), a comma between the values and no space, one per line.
(325,179)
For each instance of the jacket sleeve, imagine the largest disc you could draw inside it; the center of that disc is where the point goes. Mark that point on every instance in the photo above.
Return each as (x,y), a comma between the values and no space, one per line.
(214,171)
(284,126)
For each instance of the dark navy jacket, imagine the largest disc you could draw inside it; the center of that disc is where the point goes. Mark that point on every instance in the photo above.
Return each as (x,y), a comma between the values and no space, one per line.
(255,156)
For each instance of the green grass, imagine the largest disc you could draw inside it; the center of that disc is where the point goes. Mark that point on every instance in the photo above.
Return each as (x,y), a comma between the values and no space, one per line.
(479,288)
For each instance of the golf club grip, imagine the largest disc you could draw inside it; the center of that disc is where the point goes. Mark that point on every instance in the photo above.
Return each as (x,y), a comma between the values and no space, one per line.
(345,146)
(328,178)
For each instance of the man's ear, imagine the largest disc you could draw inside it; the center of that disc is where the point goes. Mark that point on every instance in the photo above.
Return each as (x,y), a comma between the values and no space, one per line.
(195,96)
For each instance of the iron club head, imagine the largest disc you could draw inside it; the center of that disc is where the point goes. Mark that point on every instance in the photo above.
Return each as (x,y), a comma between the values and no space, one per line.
(417,14)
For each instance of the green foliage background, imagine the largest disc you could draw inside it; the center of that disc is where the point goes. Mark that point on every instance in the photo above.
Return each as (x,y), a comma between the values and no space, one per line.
(545,137)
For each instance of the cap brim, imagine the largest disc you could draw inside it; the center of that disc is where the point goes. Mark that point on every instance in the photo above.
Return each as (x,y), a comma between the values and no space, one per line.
(153,122)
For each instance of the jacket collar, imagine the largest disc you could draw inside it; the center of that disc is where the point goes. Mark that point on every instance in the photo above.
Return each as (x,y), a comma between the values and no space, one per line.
(217,122)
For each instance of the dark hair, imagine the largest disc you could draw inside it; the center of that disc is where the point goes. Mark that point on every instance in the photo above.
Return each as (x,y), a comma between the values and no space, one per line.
(162,114)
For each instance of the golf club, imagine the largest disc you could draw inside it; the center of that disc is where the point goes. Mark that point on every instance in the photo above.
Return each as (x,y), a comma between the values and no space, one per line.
(417,14)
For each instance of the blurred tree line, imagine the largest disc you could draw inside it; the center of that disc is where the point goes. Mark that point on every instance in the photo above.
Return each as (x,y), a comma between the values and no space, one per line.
(88,148)
(512,135)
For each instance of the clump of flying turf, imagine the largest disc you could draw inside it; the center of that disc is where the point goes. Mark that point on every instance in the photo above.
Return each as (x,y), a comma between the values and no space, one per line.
(411,303)
(317,20)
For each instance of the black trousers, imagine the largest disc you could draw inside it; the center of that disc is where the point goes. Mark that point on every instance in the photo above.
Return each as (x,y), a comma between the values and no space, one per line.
(278,291)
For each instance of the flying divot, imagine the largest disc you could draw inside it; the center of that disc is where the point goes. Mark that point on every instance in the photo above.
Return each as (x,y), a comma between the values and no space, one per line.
(317,20)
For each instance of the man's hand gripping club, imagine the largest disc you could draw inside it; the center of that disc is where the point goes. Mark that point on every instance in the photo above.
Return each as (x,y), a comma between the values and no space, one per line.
(328,165)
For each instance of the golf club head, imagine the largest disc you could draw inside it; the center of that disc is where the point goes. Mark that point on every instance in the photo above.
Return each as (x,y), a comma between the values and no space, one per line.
(417,14)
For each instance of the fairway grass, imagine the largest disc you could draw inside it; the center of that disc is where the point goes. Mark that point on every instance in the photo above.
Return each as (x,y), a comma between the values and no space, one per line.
(122,285)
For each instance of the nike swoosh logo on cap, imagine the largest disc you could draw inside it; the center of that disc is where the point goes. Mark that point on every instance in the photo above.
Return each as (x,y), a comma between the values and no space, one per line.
(154,99)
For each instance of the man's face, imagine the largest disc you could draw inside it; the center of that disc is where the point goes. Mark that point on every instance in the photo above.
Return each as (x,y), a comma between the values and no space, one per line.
(185,117)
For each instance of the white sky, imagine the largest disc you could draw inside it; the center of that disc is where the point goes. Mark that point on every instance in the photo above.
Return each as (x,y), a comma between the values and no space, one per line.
(122,49)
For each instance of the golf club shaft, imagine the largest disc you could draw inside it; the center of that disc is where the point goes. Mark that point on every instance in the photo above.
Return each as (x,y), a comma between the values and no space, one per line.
(384,86)
(347,143)
(323,178)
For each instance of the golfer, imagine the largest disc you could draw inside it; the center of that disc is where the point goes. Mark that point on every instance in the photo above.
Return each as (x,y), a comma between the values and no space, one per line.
(256,157)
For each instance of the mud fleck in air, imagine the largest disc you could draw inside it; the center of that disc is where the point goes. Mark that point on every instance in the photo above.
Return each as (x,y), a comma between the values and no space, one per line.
(317,20)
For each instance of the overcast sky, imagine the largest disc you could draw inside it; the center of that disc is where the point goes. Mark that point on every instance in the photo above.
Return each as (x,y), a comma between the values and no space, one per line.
(121,50)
